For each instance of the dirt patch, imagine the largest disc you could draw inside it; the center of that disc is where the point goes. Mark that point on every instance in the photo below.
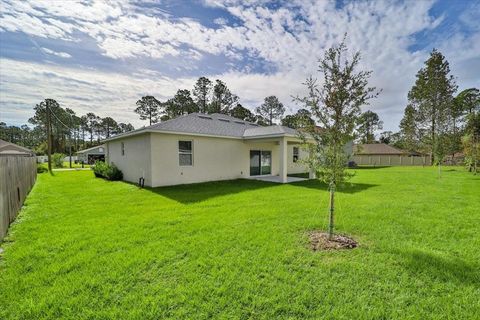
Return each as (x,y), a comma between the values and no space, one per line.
(319,241)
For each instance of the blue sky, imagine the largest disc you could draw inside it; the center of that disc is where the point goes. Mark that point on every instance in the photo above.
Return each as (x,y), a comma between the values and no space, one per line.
(99,56)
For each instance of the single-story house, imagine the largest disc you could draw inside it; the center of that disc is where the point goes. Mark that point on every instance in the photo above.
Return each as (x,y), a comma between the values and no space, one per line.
(10,149)
(205,147)
(381,154)
(92,154)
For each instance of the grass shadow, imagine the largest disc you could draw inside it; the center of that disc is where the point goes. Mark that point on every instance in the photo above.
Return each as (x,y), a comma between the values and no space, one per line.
(440,268)
(345,188)
(198,192)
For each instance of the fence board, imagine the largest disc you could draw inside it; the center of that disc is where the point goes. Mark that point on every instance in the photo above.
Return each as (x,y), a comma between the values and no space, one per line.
(391,160)
(17,177)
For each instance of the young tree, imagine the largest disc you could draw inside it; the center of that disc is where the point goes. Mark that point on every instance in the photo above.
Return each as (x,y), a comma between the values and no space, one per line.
(201,93)
(271,109)
(368,123)
(432,96)
(335,105)
(149,108)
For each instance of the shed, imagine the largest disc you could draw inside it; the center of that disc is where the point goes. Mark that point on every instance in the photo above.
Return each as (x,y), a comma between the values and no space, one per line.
(92,154)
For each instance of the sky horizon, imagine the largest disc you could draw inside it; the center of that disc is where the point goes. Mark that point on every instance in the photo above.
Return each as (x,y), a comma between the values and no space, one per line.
(101,57)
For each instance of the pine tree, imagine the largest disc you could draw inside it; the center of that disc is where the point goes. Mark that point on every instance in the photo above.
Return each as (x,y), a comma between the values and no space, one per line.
(432,98)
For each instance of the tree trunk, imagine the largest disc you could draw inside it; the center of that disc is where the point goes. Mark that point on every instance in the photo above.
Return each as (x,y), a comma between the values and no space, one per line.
(49,139)
(332,210)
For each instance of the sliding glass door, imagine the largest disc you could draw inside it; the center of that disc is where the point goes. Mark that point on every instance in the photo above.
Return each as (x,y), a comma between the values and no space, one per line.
(260,162)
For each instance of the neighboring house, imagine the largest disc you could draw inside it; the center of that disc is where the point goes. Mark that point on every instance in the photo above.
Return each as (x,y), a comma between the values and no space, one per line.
(8,148)
(381,154)
(205,147)
(92,154)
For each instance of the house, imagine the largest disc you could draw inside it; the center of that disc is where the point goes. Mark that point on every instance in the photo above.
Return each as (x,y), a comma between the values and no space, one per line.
(205,147)
(92,154)
(381,154)
(10,149)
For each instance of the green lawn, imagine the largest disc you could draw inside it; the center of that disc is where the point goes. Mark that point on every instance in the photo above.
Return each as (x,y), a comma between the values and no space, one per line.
(85,248)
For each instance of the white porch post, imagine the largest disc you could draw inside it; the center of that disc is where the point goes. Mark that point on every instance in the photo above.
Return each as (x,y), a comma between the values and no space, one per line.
(283,160)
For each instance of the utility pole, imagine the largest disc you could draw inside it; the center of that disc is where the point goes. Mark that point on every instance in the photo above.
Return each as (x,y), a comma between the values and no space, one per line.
(49,137)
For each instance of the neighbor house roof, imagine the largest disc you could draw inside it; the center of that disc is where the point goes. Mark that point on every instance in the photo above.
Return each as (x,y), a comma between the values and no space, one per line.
(216,124)
(90,149)
(377,148)
(8,148)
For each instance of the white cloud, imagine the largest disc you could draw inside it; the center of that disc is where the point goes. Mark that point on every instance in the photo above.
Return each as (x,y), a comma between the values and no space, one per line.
(105,94)
(381,30)
(55,53)
(220,21)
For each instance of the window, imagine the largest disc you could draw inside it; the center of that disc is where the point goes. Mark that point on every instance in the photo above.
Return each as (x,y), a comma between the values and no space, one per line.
(185,154)
(295,154)
(123,148)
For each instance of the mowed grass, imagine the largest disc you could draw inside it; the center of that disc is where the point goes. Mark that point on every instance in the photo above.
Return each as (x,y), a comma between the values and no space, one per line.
(85,248)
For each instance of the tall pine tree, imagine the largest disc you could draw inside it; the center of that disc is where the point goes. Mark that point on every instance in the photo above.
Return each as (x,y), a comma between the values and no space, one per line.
(432,98)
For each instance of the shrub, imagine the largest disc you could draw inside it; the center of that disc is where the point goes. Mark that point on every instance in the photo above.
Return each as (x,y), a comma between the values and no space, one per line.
(57,160)
(107,171)
(41,169)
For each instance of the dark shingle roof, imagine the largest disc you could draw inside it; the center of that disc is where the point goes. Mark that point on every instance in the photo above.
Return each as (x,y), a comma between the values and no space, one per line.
(377,148)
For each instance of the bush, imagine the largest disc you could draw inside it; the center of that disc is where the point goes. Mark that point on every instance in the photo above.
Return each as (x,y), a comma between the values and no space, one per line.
(107,171)
(57,160)
(41,169)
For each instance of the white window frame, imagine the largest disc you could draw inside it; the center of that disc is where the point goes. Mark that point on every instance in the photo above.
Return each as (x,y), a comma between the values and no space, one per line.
(296,154)
(190,153)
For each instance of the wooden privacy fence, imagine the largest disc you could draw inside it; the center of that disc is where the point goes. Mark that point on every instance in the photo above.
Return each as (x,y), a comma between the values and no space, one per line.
(18,174)
(391,160)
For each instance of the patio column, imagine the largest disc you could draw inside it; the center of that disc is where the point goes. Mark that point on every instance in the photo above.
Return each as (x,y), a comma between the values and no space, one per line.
(283,160)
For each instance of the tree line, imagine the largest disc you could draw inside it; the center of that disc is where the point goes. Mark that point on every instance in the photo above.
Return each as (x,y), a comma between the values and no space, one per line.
(215,97)
(437,120)
(68,130)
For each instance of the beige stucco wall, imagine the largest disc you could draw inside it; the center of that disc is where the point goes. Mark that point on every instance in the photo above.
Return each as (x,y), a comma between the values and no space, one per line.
(296,167)
(155,157)
(136,162)
(213,159)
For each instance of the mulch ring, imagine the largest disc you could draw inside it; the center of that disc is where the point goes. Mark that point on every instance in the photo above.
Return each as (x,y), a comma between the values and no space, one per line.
(319,241)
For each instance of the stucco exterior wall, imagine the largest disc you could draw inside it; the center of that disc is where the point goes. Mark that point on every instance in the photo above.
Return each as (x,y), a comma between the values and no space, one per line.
(136,162)
(296,167)
(155,156)
(213,159)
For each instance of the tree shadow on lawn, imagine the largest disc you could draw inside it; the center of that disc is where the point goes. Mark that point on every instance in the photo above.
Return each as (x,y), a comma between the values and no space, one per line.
(345,188)
(198,192)
(440,268)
